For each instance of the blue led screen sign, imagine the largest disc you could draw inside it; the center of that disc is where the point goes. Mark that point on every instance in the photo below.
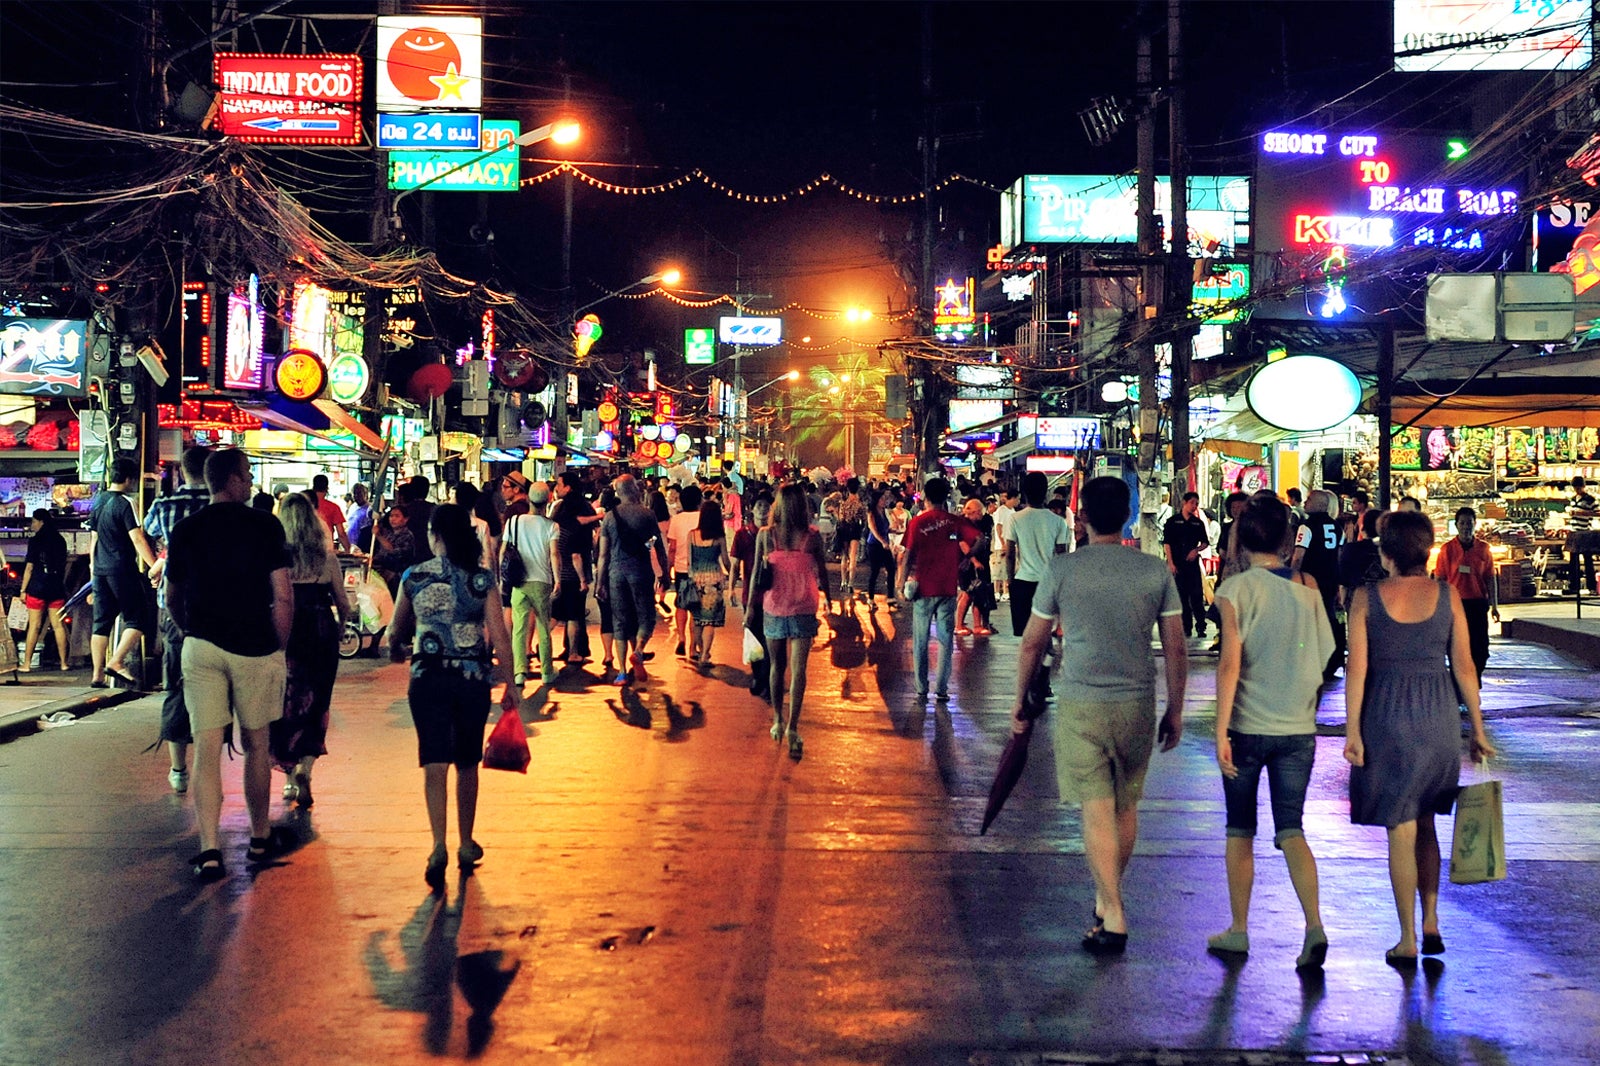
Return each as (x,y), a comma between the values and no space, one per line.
(1103,209)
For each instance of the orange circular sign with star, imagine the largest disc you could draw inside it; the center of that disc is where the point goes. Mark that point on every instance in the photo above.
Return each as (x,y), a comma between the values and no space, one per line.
(608,411)
(301,375)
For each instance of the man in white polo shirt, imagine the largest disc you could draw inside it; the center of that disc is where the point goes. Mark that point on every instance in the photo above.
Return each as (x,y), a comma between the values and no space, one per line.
(1034,536)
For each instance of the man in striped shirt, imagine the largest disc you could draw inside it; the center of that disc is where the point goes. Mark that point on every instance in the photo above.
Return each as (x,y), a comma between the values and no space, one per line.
(164,514)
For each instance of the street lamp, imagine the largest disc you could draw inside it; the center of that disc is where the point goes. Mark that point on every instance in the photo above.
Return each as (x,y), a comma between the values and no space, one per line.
(667,277)
(793,375)
(563,132)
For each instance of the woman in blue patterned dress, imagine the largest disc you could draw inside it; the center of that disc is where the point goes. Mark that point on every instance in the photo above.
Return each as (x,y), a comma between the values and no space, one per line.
(449,603)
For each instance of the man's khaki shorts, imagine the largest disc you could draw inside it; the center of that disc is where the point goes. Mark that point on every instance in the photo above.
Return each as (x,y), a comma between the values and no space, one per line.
(1103,749)
(219,687)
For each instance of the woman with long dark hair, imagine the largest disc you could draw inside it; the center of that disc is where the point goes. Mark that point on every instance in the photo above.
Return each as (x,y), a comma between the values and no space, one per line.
(451,605)
(708,570)
(312,654)
(796,571)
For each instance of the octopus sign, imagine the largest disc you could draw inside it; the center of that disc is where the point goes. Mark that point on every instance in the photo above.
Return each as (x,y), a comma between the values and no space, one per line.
(428,62)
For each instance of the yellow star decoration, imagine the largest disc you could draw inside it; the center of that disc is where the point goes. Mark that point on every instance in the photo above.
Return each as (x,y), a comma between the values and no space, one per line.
(449,83)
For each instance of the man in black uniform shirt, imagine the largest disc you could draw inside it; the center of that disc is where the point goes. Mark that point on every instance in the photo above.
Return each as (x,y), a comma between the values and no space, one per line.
(1316,552)
(1184,538)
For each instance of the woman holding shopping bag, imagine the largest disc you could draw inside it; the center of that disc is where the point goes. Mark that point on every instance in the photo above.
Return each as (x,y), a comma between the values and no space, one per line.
(1403,732)
(451,606)
(792,552)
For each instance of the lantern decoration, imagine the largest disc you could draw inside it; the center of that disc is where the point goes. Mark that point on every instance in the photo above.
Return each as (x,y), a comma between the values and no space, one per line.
(428,382)
(585,333)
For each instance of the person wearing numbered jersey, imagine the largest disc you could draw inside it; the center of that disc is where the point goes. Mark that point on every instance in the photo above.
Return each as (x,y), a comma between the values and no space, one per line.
(1316,554)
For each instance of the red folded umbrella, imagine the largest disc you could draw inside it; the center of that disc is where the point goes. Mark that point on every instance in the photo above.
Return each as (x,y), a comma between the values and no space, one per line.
(1012,760)
(1006,776)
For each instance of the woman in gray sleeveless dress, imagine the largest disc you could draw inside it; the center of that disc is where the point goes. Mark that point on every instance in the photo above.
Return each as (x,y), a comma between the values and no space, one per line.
(1403,733)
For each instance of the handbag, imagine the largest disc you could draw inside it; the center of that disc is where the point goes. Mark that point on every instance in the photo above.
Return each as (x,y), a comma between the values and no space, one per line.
(1478,847)
(513,571)
(17,617)
(508,744)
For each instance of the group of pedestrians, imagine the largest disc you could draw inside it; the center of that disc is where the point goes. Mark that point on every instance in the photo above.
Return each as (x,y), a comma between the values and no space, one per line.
(1412,668)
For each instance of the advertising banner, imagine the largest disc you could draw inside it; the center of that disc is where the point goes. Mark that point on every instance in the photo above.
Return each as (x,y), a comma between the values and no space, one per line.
(439,129)
(1103,209)
(1362,190)
(755,332)
(1492,35)
(285,99)
(447,171)
(43,356)
(425,61)
(699,347)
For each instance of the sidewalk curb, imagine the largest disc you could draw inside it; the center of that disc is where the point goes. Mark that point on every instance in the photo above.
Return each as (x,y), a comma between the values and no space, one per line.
(25,723)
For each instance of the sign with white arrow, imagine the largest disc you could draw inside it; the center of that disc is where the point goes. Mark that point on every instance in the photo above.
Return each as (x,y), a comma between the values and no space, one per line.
(289,99)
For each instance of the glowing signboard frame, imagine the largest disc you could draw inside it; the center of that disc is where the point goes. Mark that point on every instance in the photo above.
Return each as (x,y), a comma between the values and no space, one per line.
(425,61)
(1364,189)
(1432,35)
(700,347)
(244,326)
(43,356)
(289,99)
(500,172)
(754,332)
(1103,209)
(301,375)
(1303,393)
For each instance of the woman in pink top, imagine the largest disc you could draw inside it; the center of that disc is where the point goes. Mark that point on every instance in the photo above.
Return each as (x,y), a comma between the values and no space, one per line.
(796,571)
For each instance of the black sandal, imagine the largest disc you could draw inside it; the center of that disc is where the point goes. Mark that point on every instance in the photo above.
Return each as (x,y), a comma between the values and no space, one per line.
(208,865)
(1105,942)
(262,848)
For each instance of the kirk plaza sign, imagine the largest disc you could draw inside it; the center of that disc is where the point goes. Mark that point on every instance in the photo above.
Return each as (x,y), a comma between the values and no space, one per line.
(496,169)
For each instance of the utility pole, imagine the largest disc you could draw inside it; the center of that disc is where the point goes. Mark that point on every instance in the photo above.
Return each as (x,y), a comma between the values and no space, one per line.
(1149,245)
(933,411)
(375,307)
(1180,276)
(558,413)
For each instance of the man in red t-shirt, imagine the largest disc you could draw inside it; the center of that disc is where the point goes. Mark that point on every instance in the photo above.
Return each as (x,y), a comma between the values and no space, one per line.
(1466,565)
(935,542)
(332,515)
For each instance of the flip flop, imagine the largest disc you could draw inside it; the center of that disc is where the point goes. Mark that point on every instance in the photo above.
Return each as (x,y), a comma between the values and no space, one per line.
(122,677)
(1432,944)
(99,684)
(1103,942)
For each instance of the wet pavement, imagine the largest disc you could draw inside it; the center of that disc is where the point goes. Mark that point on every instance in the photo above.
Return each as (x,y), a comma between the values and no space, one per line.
(666,886)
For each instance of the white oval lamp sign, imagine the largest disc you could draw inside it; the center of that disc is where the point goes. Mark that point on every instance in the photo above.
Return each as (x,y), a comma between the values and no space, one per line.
(1303,393)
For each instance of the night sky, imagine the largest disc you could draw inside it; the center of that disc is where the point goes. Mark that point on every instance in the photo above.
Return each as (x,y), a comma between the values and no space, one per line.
(765,97)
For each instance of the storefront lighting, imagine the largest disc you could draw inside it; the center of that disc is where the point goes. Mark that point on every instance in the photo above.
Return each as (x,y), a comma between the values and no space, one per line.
(1303,393)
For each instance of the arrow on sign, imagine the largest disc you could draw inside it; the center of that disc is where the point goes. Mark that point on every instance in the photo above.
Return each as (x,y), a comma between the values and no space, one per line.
(1455,149)
(289,125)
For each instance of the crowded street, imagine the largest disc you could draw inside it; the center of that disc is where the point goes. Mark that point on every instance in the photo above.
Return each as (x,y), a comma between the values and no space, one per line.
(664,885)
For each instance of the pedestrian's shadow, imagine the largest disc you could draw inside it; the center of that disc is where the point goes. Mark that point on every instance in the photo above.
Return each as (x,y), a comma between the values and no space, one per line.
(682,718)
(539,707)
(428,943)
(908,718)
(1313,986)
(1218,1030)
(630,709)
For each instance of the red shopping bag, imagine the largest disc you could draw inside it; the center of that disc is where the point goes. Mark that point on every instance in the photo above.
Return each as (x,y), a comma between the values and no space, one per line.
(508,744)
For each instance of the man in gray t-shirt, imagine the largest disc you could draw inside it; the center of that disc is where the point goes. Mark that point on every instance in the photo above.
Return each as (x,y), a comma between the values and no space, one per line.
(1107,598)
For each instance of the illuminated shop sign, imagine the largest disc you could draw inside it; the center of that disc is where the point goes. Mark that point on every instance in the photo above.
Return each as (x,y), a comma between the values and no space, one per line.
(1068,434)
(443,171)
(1218,289)
(428,61)
(1103,209)
(43,356)
(756,332)
(1492,35)
(289,99)
(1367,190)
(1303,393)
(241,351)
(445,129)
(699,347)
